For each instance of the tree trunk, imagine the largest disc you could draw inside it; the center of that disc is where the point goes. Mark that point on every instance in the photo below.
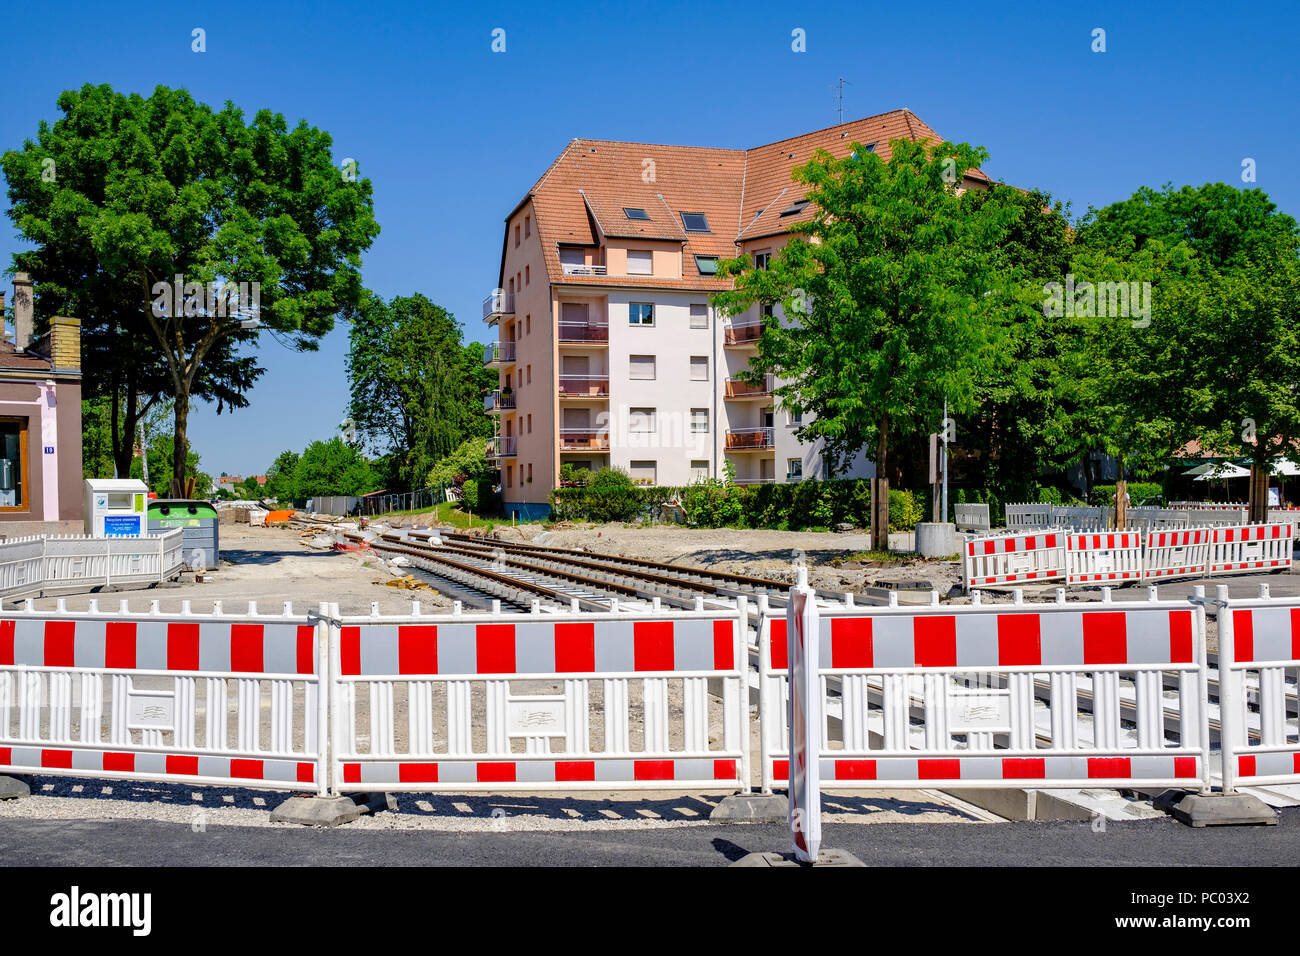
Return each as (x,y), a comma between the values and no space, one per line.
(1121,503)
(1258,492)
(180,451)
(124,430)
(880,492)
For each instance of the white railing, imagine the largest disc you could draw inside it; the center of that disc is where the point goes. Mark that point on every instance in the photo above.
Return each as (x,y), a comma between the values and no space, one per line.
(581,269)
(502,446)
(61,564)
(499,303)
(498,352)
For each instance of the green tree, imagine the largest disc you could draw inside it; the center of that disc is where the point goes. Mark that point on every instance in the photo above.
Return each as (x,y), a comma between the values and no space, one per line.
(416,391)
(96,439)
(147,189)
(900,303)
(332,467)
(281,477)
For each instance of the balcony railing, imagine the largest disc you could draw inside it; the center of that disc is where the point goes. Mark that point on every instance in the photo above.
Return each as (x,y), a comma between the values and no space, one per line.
(742,439)
(495,401)
(584,386)
(498,304)
(581,269)
(584,439)
(737,334)
(502,446)
(737,389)
(584,331)
(754,481)
(499,353)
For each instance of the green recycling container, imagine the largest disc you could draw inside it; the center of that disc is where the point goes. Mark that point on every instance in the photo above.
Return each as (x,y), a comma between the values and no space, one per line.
(199,521)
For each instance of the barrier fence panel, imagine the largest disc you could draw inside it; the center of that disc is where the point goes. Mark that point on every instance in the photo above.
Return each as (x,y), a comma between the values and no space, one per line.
(1176,554)
(227,699)
(1008,559)
(1042,695)
(1208,517)
(1028,516)
(541,702)
(1156,519)
(1252,547)
(1259,653)
(1210,505)
(1289,516)
(972,517)
(1104,558)
(22,565)
(1082,518)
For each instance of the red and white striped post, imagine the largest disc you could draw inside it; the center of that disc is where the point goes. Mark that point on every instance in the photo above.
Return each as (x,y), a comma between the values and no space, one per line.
(805,721)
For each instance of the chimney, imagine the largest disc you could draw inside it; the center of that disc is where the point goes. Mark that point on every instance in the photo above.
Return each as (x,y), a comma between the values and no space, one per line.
(4,334)
(23,324)
(65,344)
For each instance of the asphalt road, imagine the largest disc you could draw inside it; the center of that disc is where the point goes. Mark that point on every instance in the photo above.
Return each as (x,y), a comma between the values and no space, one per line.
(1162,843)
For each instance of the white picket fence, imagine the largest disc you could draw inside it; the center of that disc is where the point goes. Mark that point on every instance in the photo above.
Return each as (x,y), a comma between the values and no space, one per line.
(62,564)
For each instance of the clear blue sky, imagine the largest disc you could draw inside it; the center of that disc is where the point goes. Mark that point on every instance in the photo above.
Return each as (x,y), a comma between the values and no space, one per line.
(452,134)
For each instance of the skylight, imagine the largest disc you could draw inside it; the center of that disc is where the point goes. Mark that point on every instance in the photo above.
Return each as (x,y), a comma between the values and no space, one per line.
(633,213)
(795,208)
(708,265)
(695,222)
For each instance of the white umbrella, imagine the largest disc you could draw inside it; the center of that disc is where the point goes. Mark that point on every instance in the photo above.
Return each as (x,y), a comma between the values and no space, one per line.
(1285,468)
(1225,470)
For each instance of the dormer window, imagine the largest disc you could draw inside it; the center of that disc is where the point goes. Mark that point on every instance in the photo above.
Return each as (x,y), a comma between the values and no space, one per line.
(633,213)
(794,208)
(695,222)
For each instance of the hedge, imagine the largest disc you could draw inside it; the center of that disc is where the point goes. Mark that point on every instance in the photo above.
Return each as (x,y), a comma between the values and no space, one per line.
(793,506)
(1138,491)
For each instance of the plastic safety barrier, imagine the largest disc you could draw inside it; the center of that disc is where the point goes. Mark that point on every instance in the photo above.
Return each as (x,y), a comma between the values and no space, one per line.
(1104,558)
(1259,651)
(1253,547)
(1145,518)
(1024,516)
(1082,518)
(972,517)
(1047,695)
(59,564)
(1013,558)
(515,702)
(1203,517)
(1173,554)
(189,698)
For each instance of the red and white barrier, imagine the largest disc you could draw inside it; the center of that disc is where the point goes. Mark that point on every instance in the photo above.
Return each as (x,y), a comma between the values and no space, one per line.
(1176,554)
(1259,643)
(1011,559)
(1252,547)
(163,684)
(1105,558)
(511,702)
(936,697)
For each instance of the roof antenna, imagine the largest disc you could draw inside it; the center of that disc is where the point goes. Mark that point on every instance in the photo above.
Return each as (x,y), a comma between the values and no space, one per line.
(839,98)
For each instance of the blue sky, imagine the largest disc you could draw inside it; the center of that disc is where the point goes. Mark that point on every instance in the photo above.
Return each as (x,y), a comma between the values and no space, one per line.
(452,134)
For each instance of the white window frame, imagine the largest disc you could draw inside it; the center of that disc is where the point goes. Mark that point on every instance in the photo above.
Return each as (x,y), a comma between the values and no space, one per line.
(632,364)
(648,416)
(641,322)
(696,422)
(699,362)
(700,321)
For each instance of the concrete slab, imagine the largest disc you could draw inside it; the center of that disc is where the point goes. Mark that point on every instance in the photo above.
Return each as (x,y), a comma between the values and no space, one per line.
(11,788)
(317,811)
(1223,809)
(824,858)
(751,808)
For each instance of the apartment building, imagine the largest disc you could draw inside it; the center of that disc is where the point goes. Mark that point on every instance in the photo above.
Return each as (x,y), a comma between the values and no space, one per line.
(608,351)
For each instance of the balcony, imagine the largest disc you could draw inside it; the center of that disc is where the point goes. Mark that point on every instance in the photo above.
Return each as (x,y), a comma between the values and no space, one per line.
(502,446)
(498,306)
(496,402)
(754,481)
(584,333)
(584,439)
(581,269)
(746,334)
(584,386)
(741,390)
(499,353)
(750,439)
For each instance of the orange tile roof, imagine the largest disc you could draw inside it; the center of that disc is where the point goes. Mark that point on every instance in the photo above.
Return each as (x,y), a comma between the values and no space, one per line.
(581,196)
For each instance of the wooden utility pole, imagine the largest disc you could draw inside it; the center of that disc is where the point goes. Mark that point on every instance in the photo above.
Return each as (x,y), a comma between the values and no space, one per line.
(1121,502)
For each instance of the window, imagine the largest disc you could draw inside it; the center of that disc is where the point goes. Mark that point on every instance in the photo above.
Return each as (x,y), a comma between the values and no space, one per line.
(767,310)
(699,470)
(530,471)
(794,469)
(571,256)
(794,208)
(516,235)
(634,213)
(641,367)
(642,472)
(695,222)
(761,259)
(528,227)
(699,419)
(707,265)
(529,369)
(528,274)
(640,421)
(640,313)
(699,316)
(794,417)
(528,324)
(640,262)
(530,427)
(510,476)
(699,368)
(13,464)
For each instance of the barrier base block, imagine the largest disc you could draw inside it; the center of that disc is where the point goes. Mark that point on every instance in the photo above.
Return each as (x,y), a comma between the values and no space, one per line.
(751,808)
(318,811)
(12,787)
(1221,810)
(824,858)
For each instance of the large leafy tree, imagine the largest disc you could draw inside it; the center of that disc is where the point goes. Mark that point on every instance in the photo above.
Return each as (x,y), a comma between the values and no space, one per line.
(897,293)
(147,189)
(417,392)
(332,467)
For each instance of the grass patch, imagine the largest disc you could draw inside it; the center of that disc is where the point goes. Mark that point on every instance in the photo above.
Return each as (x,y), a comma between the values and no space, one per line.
(876,557)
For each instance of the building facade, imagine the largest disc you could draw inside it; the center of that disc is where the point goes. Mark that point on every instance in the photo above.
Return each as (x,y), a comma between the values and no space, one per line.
(608,351)
(40,421)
